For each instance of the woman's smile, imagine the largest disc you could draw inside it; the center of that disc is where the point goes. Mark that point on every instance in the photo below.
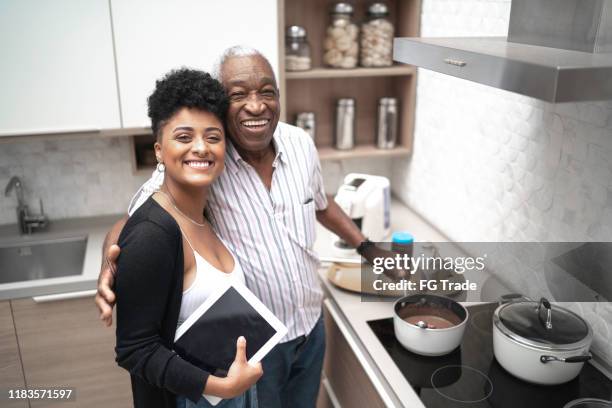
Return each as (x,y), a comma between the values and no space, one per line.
(200,164)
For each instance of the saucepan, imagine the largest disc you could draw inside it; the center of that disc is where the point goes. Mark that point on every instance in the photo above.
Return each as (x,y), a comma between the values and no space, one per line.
(589,403)
(429,325)
(540,343)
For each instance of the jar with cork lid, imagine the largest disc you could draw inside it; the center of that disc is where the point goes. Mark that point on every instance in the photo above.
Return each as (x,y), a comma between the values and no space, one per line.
(341,44)
(377,37)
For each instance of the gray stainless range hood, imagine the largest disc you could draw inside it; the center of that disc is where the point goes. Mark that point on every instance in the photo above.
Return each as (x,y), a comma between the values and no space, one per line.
(556,50)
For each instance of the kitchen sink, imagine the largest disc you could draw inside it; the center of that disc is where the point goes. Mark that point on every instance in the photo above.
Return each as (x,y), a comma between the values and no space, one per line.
(42,259)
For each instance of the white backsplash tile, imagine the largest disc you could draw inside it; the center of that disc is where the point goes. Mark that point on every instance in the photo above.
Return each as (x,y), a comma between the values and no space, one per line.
(74,178)
(489,165)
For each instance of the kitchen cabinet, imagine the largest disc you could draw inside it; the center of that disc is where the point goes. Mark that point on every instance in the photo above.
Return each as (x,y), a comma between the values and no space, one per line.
(318,89)
(11,374)
(347,378)
(57,72)
(152,37)
(64,344)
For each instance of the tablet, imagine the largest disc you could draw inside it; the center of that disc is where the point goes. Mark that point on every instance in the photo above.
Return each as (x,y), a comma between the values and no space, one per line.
(207,338)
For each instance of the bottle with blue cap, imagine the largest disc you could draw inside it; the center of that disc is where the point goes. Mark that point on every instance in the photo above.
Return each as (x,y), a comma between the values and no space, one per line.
(402,242)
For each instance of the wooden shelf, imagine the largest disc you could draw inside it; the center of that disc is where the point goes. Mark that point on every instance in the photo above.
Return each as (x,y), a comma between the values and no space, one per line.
(318,90)
(329,153)
(320,73)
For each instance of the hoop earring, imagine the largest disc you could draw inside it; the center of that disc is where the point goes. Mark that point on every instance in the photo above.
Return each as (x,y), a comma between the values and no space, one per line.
(161,167)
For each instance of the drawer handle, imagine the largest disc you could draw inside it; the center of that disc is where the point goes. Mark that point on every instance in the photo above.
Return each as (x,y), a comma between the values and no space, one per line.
(455,62)
(65,296)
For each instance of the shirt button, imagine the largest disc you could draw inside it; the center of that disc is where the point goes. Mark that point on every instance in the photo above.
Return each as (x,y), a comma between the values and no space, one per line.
(278,216)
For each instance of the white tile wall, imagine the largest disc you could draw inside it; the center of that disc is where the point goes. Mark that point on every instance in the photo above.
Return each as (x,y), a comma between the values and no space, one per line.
(74,178)
(489,165)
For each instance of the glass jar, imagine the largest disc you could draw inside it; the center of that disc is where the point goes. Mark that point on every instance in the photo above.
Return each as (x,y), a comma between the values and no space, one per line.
(297,50)
(377,37)
(341,45)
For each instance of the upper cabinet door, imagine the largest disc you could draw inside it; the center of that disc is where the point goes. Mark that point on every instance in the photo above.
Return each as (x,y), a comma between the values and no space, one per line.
(56,67)
(155,36)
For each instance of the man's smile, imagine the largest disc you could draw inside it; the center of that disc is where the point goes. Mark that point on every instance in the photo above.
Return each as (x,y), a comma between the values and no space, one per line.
(255,124)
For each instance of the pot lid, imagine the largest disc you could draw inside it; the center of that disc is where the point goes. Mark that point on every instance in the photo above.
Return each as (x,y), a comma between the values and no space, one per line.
(543,323)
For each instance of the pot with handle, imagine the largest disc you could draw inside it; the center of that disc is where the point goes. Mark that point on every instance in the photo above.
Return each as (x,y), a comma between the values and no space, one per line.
(539,343)
(429,325)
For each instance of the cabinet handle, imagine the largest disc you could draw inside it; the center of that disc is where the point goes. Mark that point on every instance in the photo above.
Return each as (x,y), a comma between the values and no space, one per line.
(455,62)
(64,296)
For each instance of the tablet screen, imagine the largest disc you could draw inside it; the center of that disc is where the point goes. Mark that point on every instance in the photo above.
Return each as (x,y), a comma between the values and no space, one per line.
(208,338)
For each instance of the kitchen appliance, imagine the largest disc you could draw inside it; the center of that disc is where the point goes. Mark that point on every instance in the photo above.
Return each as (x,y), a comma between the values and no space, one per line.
(420,335)
(366,199)
(556,50)
(386,127)
(474,379)
(540,343)
(345,124)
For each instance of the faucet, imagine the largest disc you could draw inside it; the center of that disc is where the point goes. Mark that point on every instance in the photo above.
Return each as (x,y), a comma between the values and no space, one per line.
(27,222)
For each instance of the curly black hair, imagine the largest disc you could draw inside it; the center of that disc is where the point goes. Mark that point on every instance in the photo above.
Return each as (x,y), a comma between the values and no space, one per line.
(185,88)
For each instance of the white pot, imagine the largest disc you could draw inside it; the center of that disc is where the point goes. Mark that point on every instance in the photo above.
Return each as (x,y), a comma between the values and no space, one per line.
(426,341)
(527,349)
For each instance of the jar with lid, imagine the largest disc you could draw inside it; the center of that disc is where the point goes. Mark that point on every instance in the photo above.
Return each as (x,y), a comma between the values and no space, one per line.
(377,37)
(341,41)
(297,49)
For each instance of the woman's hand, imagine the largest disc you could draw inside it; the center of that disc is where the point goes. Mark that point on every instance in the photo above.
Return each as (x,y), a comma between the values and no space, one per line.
(240,377)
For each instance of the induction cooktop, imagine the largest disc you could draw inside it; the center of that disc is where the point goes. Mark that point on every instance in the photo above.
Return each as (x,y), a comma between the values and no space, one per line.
(471,377)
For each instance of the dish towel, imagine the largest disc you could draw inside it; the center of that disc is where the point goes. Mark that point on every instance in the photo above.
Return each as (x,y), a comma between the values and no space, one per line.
(146,190)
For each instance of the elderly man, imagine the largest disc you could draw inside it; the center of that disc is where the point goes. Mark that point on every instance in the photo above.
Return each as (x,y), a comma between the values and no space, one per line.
(264,206)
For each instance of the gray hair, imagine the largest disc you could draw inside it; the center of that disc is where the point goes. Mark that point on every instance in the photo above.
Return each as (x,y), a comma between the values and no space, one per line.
(235,51)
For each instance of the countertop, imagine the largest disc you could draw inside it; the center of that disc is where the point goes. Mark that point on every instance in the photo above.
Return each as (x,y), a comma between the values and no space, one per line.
(351,314)
(94,228)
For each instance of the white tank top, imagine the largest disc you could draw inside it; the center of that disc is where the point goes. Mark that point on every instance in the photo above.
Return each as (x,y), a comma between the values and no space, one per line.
(208,279)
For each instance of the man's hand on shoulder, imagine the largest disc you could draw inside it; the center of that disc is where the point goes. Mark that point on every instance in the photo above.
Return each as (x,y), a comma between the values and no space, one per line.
(105,298)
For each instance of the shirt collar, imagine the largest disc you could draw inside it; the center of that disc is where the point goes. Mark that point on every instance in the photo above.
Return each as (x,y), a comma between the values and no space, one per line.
(234,162)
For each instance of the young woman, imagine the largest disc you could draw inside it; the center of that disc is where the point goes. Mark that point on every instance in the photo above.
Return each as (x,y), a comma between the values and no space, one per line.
(171,260)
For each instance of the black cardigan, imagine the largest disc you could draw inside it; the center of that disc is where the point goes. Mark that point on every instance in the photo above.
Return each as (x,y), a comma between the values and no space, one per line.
(149,288)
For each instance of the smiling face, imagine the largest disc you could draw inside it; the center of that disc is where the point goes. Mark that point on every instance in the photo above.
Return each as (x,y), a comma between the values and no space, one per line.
(192,147)
(254,107)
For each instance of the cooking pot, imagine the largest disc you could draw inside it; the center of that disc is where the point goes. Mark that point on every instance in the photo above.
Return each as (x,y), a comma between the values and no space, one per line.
(429,325)
(588,403)
(539,343)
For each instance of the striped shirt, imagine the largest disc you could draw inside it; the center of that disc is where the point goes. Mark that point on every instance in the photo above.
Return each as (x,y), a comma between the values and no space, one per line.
(271,232)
